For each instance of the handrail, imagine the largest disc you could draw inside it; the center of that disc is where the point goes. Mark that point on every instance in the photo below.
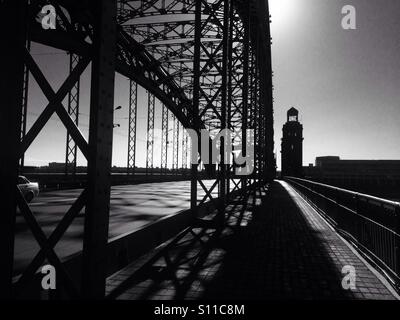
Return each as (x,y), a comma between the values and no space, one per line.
(365,220)
(354,193)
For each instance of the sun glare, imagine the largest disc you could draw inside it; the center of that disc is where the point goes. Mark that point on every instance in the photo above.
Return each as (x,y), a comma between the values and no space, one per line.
(282,13)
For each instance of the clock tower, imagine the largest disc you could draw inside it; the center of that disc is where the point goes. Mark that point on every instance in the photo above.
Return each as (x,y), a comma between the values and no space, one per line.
(292,145)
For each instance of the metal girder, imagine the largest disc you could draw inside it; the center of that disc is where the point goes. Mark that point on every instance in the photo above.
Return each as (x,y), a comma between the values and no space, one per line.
(155,8)
(46,244)
(100,149)
(133,92)
(245,89)
(185,140)
(55,105)
(150,133)
(24,113)
(132,60)
(175,145)
(196,103)
(11,91)
(212,71)
(164,139)
(135,62)
(150,73)
(210,87)
(73,111)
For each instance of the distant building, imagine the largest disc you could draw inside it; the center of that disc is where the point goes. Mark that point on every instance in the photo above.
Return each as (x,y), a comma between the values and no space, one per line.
(376,177)
(58,166)
(292,145)
(332,167)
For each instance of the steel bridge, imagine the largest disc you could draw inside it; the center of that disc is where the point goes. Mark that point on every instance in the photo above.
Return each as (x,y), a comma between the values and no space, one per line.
(207,63)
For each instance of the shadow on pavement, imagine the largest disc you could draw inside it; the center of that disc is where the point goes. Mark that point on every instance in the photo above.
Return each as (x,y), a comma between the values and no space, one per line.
(268,251)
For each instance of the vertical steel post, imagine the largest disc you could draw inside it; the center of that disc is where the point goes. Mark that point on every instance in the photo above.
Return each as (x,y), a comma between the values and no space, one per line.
(24,115)
(100,149)
(173,144)
(245,92)
(262,105)
(257,105)
(229,91)
(224,101)
(251,108)
(196,102)
(175,153)
(184,150)
(12,13)
(269,121)
(150,133)
(73,111)
(133,88)
(164,140)
(397,214)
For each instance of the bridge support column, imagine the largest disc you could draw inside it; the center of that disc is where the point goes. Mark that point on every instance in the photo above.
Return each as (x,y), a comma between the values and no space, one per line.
(12,13)
(150,133)
(175,146)
(245,91)
(196,103)
(223,170)
(164,140)
(73,111)
(100,150)
(24,113)
(133,88)
(184,150)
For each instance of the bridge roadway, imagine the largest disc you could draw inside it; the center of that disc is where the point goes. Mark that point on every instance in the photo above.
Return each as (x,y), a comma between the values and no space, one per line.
(275,246)
(132,207)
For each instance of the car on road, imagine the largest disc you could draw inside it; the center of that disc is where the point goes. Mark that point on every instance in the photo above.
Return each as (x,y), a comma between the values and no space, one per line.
(29,189)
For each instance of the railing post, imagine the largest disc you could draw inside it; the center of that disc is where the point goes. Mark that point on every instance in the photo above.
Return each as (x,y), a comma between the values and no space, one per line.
(355,226)
(356,203)
(397,214)
(337,210)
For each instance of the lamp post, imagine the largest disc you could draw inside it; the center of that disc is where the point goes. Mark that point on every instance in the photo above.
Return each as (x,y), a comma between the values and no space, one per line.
(117,125)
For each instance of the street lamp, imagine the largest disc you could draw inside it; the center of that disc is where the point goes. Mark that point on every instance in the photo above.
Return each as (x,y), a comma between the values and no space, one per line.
(117,125)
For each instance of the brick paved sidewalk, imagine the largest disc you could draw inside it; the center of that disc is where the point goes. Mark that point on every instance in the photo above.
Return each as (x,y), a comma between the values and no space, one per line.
(277,247)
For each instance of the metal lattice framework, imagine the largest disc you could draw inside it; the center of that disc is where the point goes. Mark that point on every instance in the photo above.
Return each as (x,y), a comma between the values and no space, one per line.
(175,145)
(24,110)
(185,140)
(164,139)
(207,62)
(150,133)
(73,111)
(133,91)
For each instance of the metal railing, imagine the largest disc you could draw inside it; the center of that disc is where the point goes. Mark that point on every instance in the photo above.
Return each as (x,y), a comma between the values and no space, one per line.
(370,223)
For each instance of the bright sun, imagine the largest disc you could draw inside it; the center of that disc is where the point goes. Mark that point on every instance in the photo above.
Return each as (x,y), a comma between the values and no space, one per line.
(282,12)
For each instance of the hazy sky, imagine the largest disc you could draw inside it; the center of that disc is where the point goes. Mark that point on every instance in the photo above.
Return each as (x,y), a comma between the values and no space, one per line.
(345,83)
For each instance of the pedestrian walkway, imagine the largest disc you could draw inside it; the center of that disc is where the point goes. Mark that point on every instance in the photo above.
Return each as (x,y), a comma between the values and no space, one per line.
(275,247)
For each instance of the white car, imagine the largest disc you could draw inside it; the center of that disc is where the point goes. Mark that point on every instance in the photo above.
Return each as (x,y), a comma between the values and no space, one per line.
(29,189)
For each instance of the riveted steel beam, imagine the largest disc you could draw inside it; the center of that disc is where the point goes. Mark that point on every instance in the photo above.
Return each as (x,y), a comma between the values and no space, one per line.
(100,149)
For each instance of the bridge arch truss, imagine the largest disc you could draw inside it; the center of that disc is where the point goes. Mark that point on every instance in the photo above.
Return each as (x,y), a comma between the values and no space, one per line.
(208,63)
